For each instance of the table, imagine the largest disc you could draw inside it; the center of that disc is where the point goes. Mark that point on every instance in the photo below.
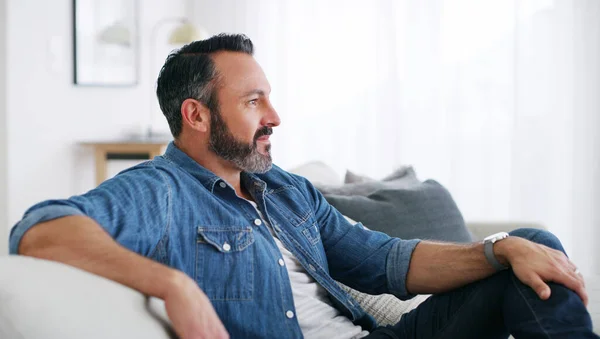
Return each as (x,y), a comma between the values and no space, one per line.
(124,149)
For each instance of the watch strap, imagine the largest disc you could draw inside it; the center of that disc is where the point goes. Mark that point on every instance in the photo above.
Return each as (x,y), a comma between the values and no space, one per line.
(488,249)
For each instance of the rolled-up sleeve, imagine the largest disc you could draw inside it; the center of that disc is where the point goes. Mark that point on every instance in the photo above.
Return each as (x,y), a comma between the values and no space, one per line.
(133,207)
(397,267)
(38,215)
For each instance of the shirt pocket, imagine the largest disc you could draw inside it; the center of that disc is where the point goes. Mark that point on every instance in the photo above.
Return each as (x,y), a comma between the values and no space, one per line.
(225,262)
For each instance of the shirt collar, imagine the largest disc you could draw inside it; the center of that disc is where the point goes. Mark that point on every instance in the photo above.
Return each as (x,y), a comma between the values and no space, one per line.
(206,177)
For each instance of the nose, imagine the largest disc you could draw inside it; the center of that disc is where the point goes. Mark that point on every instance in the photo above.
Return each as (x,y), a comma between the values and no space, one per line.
(271,117)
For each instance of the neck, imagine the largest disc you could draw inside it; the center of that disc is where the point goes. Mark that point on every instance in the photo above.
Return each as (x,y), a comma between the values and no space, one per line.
(208,159)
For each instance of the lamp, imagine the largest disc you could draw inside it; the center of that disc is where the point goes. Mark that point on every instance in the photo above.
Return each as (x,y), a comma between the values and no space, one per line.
(185,33)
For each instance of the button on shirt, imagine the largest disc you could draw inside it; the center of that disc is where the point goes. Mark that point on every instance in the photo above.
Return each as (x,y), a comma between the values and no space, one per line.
(176,212)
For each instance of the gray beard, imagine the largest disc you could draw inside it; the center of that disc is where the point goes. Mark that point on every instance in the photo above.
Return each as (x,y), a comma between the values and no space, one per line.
(245,156)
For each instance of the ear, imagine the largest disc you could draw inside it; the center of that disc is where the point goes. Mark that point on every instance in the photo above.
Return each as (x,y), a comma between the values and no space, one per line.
(195,115)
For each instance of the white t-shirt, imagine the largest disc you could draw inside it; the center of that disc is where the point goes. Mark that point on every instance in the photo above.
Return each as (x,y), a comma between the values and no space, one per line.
(315,313)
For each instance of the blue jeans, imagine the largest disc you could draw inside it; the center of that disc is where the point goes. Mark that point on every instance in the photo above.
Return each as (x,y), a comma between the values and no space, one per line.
(495,307)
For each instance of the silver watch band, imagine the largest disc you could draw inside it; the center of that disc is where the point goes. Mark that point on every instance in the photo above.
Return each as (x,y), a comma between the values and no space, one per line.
(488,249)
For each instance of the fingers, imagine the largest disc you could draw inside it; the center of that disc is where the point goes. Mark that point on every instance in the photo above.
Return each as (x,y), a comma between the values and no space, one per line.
(574,281)
(572,277)
(552,266)
(539,286)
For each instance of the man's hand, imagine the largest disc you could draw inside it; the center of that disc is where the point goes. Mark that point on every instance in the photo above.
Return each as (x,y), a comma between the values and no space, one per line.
(536,264)
(191,312)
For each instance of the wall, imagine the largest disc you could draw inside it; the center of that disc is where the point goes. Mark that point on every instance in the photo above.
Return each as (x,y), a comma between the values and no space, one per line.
(3,132)
(556,145)
(47,115)
(505,115)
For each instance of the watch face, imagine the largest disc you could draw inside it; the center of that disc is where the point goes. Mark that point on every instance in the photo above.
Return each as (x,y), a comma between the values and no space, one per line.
(496,237)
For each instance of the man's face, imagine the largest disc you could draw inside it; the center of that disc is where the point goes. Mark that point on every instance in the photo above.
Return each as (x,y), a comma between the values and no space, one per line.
(240,128)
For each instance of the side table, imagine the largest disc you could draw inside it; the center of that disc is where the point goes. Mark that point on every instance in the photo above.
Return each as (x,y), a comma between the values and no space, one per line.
(124,149)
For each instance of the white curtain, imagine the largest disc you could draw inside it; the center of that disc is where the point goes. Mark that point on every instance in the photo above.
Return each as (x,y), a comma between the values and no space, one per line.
(498,100)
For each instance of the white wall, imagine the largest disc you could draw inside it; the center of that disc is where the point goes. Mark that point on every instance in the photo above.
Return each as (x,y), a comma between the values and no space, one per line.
(47,115)
(504,115)
(3,138)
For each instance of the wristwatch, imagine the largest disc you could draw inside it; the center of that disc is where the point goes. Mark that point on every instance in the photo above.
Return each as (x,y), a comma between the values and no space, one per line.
(488,249)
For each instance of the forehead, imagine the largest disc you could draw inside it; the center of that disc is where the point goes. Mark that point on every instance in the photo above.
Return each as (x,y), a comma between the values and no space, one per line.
(240,72)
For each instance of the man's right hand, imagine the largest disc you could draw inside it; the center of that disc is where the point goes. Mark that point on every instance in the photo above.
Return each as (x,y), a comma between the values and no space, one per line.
(190,311)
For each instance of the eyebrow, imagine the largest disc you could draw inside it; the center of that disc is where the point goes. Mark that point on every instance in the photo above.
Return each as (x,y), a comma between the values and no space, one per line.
(260,92)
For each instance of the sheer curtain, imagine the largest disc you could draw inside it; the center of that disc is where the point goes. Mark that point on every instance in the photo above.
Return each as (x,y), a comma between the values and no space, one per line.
(498,100)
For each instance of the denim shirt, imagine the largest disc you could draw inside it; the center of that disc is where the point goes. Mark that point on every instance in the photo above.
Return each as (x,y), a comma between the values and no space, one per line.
(178,213)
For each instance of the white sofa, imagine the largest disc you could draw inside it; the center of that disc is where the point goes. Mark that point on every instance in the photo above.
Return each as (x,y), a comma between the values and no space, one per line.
(43,299)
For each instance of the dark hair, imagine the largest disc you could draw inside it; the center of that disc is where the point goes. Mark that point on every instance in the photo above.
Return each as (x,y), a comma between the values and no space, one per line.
(189,72)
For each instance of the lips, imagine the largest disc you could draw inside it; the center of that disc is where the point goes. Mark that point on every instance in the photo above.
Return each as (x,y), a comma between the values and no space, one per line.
(263,133)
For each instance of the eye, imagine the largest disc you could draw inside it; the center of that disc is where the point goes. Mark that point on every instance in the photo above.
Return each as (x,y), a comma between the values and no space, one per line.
(253,102)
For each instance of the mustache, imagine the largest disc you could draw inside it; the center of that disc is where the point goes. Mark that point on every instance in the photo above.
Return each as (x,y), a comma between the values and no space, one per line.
(263,131)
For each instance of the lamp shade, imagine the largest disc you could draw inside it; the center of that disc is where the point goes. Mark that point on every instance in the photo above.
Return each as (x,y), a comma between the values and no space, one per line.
(185,33)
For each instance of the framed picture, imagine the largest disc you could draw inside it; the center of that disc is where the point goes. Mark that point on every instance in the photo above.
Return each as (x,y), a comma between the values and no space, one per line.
(105,42)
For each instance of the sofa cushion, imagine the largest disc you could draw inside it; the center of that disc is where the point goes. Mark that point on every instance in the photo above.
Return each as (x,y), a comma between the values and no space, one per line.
(46,299)
(385,308)
(402,207)
(363,186)
(352,178)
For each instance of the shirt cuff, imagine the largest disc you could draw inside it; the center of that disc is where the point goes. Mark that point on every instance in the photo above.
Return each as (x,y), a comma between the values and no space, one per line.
(397,267)
(37,216)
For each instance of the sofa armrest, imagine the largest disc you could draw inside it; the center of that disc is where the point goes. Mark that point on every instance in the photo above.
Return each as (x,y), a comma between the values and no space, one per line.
(45,299)
(480,230)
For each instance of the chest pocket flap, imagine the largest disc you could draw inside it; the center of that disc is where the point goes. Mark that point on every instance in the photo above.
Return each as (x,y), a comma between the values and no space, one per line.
(227,240)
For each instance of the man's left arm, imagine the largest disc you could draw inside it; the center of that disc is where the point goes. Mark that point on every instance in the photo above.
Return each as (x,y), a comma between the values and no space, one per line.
(373,262)
(441,267)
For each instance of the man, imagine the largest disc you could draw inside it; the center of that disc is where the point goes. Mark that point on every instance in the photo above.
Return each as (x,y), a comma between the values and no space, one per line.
(239,248)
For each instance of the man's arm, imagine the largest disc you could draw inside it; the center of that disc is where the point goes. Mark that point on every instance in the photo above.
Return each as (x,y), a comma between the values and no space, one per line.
(110,231)
(80,242)
(440,267)
(374,263)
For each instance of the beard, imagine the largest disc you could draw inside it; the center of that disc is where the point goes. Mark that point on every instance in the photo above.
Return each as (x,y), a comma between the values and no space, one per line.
(244,155)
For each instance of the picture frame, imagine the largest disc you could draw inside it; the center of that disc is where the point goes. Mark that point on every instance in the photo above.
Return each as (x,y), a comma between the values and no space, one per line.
(105,42)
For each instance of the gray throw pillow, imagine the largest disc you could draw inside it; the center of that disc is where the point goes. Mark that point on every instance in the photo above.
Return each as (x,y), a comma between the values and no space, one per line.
(403,177)
(353,178)
(404,207)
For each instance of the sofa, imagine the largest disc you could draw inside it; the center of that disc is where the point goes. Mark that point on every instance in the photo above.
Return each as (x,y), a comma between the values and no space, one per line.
(44,299)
